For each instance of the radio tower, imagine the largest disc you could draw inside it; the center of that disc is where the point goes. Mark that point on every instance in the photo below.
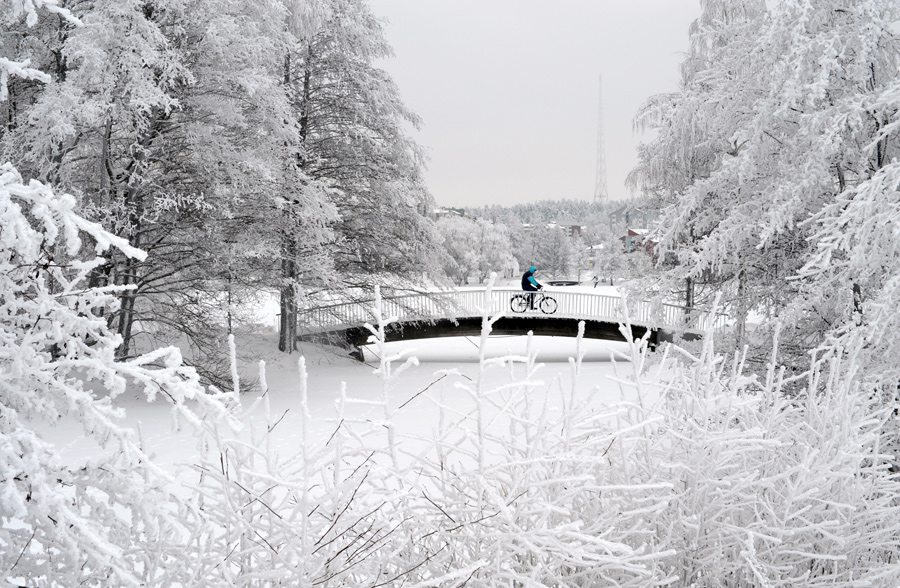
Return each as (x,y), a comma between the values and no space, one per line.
(600,193)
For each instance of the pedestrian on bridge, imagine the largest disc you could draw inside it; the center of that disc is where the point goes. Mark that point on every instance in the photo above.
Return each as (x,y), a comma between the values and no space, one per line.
(529,284)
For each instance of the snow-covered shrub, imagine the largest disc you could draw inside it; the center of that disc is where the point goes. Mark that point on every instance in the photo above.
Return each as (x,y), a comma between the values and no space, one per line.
(521,489)
(338,513)
(496,497)
(109,520)
(771,488)
(705,477)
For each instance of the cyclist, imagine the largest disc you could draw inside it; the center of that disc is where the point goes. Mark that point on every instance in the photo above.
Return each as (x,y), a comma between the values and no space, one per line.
(529,284)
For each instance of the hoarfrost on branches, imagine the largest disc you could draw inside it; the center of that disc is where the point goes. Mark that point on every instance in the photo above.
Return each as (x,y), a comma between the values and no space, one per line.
(73,523)
(782,134)
(709,477)
(31,10)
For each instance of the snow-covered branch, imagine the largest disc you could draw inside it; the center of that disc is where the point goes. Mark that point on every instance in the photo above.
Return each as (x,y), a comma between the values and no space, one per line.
(71,523)
(31,10)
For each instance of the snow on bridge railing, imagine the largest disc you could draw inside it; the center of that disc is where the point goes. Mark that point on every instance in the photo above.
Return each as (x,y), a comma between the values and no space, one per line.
(451,304)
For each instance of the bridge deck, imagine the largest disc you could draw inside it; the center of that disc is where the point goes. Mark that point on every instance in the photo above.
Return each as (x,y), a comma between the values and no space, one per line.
(464,304)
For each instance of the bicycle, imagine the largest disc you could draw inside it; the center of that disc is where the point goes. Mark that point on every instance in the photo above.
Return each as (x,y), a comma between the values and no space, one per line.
(522,302)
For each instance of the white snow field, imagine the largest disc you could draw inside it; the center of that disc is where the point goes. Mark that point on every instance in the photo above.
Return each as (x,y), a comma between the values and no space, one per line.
(442,365)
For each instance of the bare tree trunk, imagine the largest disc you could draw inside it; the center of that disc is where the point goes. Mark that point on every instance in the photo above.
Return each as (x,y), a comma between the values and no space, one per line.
(688,299)
(288,303)
(742,311)
(126,307)
(129,273)
(133,197)
(288,318)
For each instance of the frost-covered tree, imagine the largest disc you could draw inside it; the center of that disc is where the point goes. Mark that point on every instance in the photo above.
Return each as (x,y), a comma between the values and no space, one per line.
(473,248)
(276,221)
(97,131)
(553,252)
(494,249)
(695,129)
(353,137)
(350,137)
(784,114)
(460,257)
(31,12)
(608,255)
(849,282)
(112,518)
(173,124)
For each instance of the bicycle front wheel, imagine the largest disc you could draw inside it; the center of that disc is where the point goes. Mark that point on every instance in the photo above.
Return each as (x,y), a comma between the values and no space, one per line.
(519,303)
(548,305)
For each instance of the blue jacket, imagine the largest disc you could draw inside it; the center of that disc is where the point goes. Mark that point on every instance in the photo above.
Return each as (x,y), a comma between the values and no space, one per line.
(528,281)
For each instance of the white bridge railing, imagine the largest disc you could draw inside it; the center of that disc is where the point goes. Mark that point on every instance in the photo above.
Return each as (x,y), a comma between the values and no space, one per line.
(468,303)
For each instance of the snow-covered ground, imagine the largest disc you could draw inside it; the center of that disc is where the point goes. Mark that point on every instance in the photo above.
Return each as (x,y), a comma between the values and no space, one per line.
(443,364)
(444,367)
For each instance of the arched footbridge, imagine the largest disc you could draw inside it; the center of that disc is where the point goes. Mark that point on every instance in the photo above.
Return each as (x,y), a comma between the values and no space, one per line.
(459,313)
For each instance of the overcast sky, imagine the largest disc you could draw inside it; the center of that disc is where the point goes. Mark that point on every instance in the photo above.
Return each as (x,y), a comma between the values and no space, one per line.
(509,89)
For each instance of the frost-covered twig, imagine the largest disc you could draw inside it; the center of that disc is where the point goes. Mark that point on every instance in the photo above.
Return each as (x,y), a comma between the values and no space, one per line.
(30,10)
(386,370)
(57,357)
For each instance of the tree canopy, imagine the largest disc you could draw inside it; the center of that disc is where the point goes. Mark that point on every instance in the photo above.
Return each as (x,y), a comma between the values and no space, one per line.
(775,162)
(244,147)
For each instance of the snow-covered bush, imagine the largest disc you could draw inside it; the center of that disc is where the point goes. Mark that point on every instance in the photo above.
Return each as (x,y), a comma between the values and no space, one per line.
(707,477)
(772,488)
(110,520)
(338,513)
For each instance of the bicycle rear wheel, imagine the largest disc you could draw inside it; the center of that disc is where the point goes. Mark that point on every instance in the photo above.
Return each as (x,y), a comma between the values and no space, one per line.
(519,303)
(548,305)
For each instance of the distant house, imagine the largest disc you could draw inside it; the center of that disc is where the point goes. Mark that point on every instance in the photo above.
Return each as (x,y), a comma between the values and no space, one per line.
(638,239)
(633,224)
(444,212)
(570,226)
(630,216)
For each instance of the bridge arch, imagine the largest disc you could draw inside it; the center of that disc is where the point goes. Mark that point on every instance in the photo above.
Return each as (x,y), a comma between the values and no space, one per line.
(454,313)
